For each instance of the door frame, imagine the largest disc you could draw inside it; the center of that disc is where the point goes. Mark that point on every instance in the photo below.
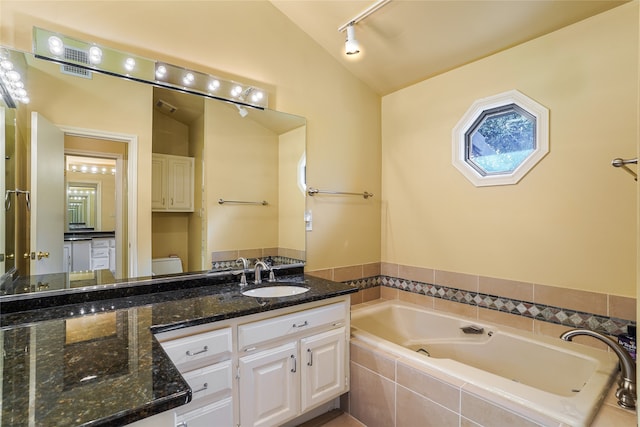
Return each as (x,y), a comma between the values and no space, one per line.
(132,188)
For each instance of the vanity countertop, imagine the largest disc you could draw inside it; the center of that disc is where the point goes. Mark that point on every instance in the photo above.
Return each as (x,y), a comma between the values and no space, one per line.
(98,362)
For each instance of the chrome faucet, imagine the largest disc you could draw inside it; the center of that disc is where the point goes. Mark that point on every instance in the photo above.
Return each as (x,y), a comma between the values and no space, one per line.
(260,265)
(626,392)
(245,265)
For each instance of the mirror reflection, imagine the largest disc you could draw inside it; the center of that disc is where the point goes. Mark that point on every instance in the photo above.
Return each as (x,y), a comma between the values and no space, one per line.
(71,154)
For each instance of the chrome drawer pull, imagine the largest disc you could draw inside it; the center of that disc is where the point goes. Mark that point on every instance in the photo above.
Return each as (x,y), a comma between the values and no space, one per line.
(295,368)
(301,325)
(310,353)
(204,350)
(204,387)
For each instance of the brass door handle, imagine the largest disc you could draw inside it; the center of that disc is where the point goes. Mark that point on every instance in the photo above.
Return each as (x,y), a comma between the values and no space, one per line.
(41,255)
(26,256)
(11,256)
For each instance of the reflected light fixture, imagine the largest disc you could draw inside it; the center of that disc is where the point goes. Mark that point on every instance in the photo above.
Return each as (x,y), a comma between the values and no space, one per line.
(351,45)
(87,57)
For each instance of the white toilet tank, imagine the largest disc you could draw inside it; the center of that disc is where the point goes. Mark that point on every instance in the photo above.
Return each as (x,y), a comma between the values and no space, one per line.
(167,265)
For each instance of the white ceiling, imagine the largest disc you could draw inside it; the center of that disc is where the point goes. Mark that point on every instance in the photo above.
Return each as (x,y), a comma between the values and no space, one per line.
(408,41)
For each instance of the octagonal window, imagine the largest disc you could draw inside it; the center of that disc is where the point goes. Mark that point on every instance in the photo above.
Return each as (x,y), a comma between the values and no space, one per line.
(500,139)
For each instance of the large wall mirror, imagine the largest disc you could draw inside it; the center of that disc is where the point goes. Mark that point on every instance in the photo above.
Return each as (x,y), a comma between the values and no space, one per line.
(226,180)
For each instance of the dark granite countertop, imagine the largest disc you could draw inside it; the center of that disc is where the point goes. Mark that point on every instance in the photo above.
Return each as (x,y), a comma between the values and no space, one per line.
(96,362)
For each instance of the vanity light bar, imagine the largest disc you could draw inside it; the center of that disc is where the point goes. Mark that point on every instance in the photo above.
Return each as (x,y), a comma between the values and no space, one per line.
(12,85)
(62,49)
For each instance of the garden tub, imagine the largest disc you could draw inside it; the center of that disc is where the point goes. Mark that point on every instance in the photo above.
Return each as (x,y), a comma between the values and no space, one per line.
(562,381)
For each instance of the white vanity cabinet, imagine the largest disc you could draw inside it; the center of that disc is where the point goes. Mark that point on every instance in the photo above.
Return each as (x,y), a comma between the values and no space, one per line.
(263,369)
(172,183)
(204,360)
(292,364)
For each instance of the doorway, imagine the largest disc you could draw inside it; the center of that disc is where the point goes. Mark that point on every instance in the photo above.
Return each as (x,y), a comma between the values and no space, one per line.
(95,182)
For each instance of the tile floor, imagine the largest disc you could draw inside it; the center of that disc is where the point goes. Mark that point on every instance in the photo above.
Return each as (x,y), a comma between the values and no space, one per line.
(344,420)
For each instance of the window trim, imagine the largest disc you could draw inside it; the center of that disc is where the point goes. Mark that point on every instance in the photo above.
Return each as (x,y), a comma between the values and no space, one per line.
(477,109)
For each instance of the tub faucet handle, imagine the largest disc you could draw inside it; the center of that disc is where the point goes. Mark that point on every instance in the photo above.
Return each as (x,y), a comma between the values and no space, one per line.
(473,329)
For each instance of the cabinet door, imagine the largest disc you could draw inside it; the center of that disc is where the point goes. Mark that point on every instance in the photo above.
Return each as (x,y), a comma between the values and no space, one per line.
(158,182)
(81,255)
(323,367)
(180,183)
(66,258)
(269,390)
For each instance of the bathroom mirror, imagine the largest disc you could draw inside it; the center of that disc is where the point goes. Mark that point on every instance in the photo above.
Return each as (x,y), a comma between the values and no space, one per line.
(81,206)
(241,154)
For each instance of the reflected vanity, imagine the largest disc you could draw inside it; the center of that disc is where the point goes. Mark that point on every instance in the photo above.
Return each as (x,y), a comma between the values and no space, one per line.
(89,109)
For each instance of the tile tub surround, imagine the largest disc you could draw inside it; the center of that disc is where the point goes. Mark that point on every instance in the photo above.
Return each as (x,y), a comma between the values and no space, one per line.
(539,308)
(46,368)
(389,391)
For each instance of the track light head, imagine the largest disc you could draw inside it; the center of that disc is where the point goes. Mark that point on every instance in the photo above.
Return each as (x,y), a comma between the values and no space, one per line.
(351,45)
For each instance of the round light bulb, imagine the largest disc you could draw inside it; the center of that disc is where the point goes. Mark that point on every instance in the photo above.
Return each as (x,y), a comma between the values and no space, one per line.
(161,71)
(95,55)
(56,46)
(130,64)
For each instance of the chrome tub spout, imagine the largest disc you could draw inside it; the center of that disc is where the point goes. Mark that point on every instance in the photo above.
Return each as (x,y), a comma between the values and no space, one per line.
(626,392)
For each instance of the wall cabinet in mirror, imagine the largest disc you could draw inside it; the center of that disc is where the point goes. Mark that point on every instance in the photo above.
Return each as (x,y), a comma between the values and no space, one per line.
(172,183)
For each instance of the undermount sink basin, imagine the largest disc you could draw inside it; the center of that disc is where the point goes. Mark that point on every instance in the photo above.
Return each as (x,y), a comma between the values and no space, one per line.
(275,291)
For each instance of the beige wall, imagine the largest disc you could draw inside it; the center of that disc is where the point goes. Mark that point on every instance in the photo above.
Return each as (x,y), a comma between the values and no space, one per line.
(571,222)
(241,159)
(291,193)
(343,115)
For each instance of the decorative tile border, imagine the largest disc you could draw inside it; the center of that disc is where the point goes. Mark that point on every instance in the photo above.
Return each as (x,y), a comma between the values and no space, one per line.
(546,313)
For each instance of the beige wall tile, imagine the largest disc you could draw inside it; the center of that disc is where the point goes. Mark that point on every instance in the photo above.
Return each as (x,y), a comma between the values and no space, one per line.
(372,398)
(387,269)
(388,293)
(487,414)
(572,299)
(417,274)
(464,422)
(468,282)
(460,309)
(370,294)
(506,288)
(224,256)
(270,252)
(414,410)
(506,319)
(413,298)
(356,298)
(382,363)
(323,274)
(622,307)
(250,253)
(344,274)
(371,270)
(420,382)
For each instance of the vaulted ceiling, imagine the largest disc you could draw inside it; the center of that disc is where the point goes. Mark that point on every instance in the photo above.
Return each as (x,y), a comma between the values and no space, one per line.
(407,41)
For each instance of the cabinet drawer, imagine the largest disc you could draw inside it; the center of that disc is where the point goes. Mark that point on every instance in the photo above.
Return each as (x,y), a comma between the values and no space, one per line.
(216,414)
(200,347)
(100,252)
(210,380)
(99,263)
(100,243)
(255,333)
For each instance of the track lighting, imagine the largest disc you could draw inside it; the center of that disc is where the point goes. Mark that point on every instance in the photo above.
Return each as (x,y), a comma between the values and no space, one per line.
(351,45)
